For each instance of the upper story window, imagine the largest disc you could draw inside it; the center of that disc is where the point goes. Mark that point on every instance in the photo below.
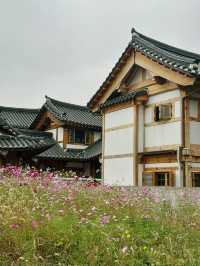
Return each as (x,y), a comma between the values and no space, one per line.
(80,136)
(163,112)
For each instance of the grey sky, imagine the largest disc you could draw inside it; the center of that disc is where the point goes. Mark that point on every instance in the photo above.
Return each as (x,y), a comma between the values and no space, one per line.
(66,48)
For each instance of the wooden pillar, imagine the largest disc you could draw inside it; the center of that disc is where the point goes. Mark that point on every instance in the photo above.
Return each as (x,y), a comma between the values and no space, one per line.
(65,137)
(187,172)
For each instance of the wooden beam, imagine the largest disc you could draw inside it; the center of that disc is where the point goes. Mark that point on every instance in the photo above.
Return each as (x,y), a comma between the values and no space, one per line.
(116,82)
(141,84)
(118,107)
(158,88)
(163,71)
(56,123)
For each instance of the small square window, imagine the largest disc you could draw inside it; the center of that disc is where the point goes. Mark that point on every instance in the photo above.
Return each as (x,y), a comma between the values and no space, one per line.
(163,112)
(79,136)
(196,179)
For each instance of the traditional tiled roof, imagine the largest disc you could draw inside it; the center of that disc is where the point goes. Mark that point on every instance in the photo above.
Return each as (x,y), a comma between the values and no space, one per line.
(23,139)
(70,114)
(74,154)
(93,150)
(23,142)
(55,152)
(5,128)
(18,117)
(122,98)
(171,57)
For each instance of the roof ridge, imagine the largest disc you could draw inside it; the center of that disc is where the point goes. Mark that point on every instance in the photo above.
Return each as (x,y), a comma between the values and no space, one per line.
(166,46)
(19,109)
(82,107)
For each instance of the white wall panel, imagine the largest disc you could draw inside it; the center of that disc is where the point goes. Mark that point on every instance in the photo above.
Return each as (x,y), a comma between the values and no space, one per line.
(194,132)
(60,134)
(178,108)
(141,128)
(76,146)
(193,105)
(118,171)
(149,115)
(118,118)
(119,141)
(164,134)
(197,165)
(164,96)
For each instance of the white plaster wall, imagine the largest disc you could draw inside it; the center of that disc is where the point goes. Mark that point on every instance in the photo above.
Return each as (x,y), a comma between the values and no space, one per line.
(197,165)
(119,118)
(76,146)
(149,115)
(163,134)
(178,109)
(97,136)
(194,132)
(119,141)
(193,107)
(165,96)
(141,128)
(118,171)
(60,134)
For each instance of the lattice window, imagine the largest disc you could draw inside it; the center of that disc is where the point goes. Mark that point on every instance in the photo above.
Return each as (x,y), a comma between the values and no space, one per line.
(163,112)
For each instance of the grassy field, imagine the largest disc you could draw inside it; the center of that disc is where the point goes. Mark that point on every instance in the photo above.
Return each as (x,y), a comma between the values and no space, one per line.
(43,222)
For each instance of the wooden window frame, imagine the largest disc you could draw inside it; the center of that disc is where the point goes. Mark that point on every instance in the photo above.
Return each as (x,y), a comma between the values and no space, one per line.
(193,178)
(171,177)
(158,110)
(91,137)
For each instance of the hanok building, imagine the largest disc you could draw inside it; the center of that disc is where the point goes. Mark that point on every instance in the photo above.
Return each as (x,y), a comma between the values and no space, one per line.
(59,135)
(150,104)
(18,144)
(78,132)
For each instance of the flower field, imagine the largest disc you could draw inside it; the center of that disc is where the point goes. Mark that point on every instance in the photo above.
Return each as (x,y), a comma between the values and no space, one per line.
(44,221)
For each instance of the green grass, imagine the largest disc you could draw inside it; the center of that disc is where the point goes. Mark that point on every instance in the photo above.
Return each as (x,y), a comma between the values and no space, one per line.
(79,225)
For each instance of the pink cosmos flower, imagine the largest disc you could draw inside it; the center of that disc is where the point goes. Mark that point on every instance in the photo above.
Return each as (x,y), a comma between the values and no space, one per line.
(34,224)
(105,219)
(14,226)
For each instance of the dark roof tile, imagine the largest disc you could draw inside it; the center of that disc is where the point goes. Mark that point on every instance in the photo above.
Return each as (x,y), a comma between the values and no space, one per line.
(55,152)
(23,142)
(70,114)
(18,117)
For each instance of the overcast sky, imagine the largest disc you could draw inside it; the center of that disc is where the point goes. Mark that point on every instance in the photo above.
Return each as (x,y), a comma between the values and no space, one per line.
(66,48)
